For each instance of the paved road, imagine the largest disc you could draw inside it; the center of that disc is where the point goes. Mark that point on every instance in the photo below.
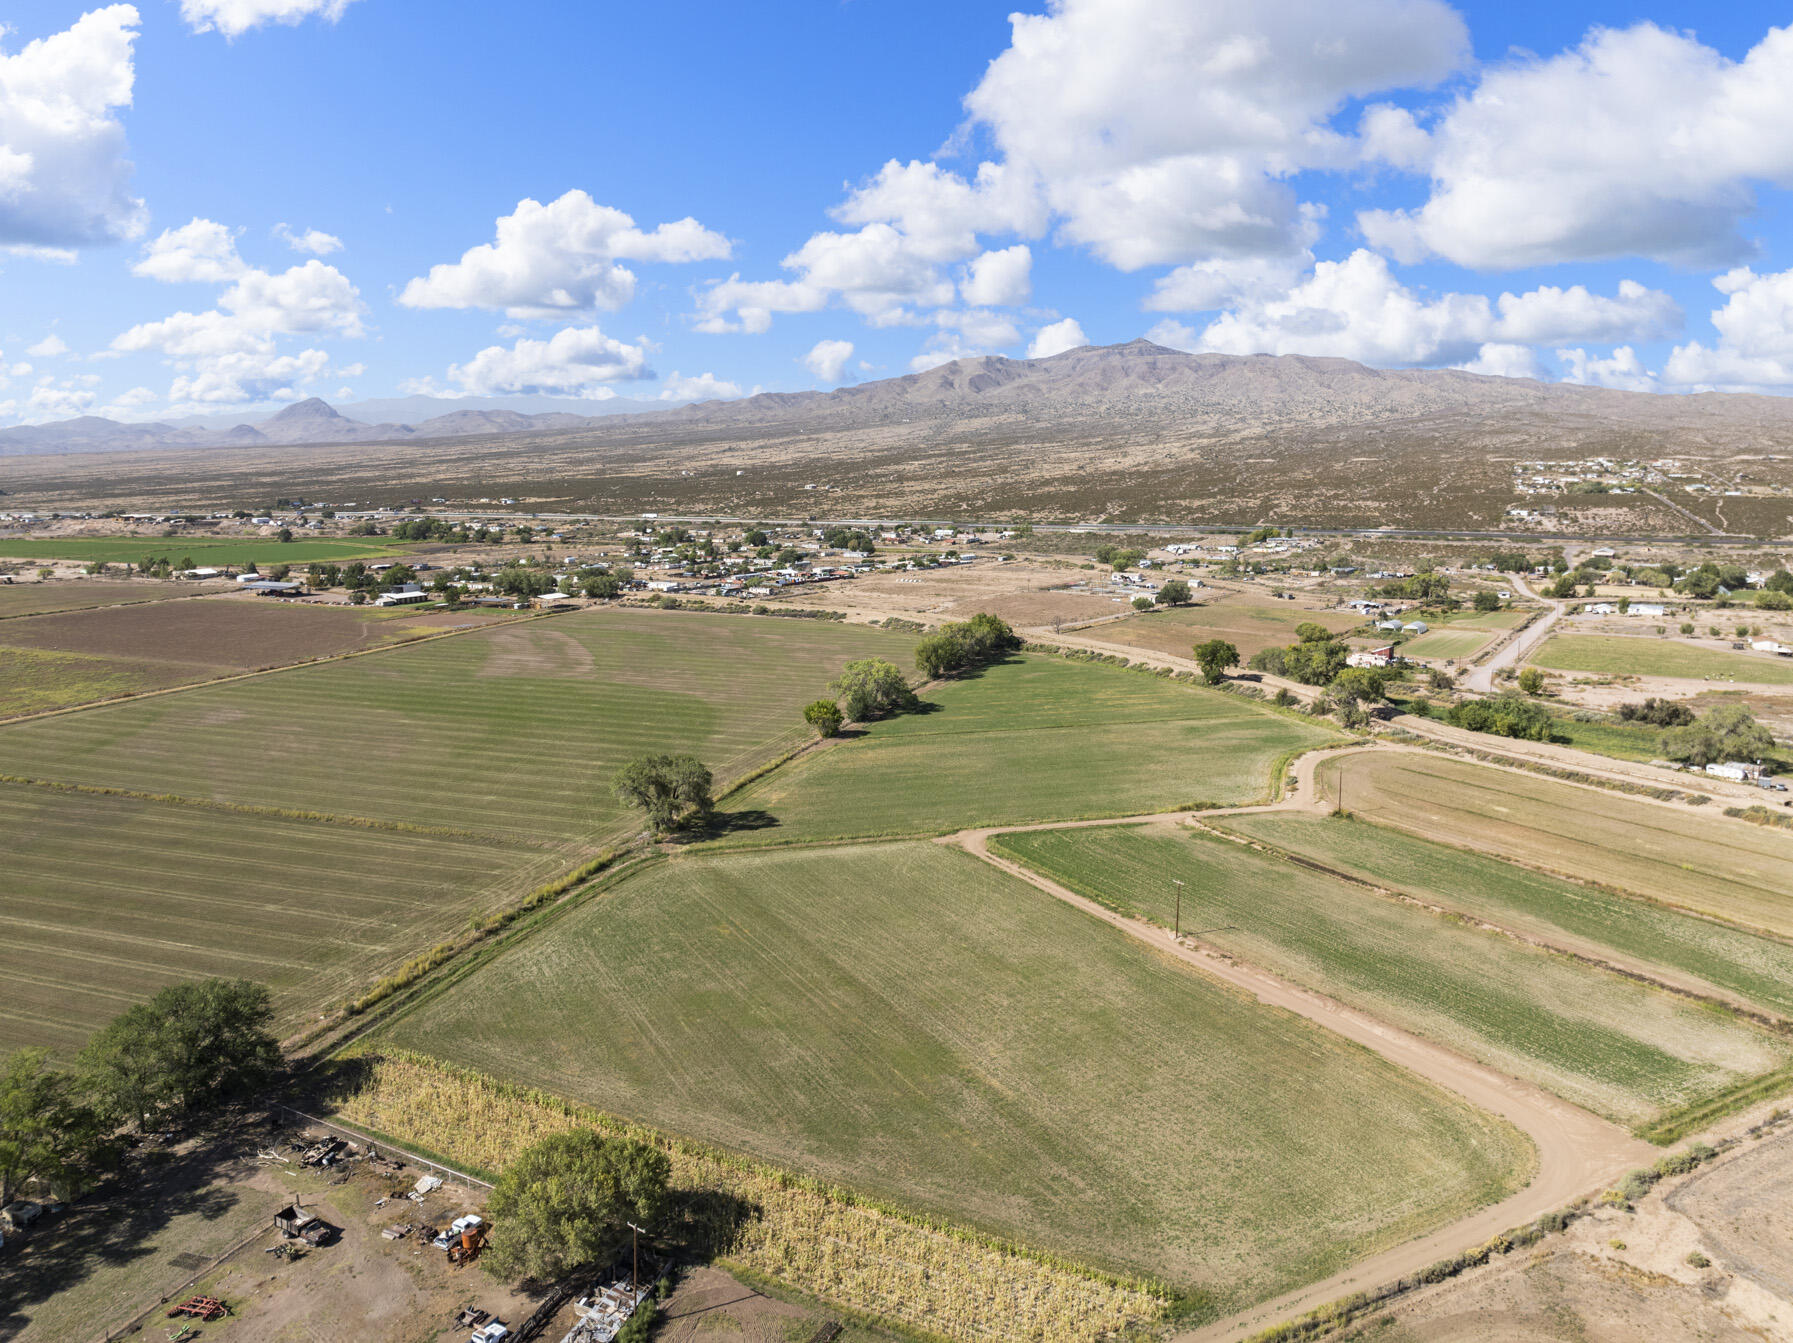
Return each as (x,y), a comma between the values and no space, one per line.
(1577,1152)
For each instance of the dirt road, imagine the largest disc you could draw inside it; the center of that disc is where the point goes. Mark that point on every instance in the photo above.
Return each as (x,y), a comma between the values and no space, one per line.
(1577,1152)
(1518,648)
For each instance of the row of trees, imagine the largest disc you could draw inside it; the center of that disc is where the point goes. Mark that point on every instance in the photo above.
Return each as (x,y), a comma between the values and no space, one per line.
(189,1050)
(965,644)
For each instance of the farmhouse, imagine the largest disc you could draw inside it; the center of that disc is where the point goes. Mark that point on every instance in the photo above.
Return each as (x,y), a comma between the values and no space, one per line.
(1647,609)
(1374,657)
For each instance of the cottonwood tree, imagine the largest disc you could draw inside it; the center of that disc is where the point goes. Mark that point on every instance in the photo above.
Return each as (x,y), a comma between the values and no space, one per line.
(566,1202)
(1174,593)
(187,1050)
(1729,732)
(1215,657)
(872,688)
(46,1134)
(673,790)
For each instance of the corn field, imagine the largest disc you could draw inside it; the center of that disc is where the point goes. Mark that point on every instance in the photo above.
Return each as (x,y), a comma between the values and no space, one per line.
(952,1282)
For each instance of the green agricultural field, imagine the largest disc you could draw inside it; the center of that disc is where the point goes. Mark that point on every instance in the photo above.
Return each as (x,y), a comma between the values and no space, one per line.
(515,729)
(1748,967)
(1623,655)
(1450,642)
(1033,738)
(1702,862)
(211,551)
(1605,1042)
(30,599)
(107,899)
(908,1021)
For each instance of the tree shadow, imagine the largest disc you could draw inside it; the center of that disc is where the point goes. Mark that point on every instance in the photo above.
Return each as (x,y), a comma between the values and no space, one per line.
(119,1221)
(329,1083)
(722,823)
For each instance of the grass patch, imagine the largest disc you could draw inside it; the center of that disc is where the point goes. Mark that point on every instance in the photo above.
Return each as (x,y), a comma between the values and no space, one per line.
(1754,969)
(1604,1042)
(905,1019)
(1698,862)
(1033,738)
(1621,655)
(1247,626)
(35,680)
(1450,643)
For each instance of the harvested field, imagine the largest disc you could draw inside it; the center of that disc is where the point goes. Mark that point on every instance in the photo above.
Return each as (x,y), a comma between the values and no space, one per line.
(1618,655)
(435,736)
(1248,626)
(108,899)
(1705,863)
(210,551)
(904,1019)
(1727,961)
(229,632)
(1033,738)
(1606,1043)
(30,599)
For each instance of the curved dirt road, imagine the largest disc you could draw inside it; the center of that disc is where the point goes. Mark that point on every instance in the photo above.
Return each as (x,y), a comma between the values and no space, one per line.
(1577,1151)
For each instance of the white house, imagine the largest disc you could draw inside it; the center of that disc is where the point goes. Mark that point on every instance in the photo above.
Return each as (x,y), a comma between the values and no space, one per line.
(1648,609)
(1599,609)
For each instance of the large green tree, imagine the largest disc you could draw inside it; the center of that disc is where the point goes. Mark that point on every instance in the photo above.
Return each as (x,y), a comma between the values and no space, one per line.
(673,790)
(1214,657)
(1729,732)
(872,688)
(1175,592)
(191,1048)
(46,1134)
(565,1203)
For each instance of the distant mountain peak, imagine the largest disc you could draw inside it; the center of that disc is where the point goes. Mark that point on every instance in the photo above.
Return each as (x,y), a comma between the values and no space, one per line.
(311,408)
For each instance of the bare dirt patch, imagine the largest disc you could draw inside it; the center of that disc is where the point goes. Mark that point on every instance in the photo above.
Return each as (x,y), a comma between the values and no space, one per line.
(538,653)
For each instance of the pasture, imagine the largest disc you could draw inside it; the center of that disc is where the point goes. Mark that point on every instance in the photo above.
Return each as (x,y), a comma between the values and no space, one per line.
(1744,966)
(915,1024)
(1622,655)
(1701,862)
(1247,625)
(1036,737)
(1617,1047)
(30,599)
(207,551)
(1453,641)
(514,729)
(34,681)
(108,899)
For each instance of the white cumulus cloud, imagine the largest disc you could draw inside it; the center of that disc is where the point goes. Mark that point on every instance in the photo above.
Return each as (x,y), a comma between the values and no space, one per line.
(233,18)
(1056,339)
(561,258)
(49,347)
(999,279)
(575,361)
(1501,360)
(313,241)
(1638,142)
(827,358)
(1621,369)
(703,387)
(1754,349)
(64,178)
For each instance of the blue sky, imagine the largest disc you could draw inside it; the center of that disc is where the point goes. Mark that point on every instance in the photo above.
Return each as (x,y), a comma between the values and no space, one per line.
(216,206)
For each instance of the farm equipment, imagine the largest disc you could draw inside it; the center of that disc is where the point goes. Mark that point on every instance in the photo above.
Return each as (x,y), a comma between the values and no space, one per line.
(467,1248)
(200,1308)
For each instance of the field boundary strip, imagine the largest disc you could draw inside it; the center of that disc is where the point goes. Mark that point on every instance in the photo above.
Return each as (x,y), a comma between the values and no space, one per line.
(109,606)
(1768,1020)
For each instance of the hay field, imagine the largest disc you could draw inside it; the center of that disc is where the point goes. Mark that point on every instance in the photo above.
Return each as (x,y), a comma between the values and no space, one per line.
(514,729)
(1620,655)
(1451,642)
(1701,862)
(1033,738)
(1607,1043)
(1248,626)
(1755,969)
(108,899)
(202,550)
(917,1025)
(30,599)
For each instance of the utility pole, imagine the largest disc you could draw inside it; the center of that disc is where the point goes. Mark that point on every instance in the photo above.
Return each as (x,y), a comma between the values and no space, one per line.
(1177,931)
(635,1257)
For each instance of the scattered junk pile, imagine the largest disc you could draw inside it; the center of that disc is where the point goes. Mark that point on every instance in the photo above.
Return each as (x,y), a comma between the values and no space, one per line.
(605,1310)
(294,1223)
(463,1239)
(495,1332)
